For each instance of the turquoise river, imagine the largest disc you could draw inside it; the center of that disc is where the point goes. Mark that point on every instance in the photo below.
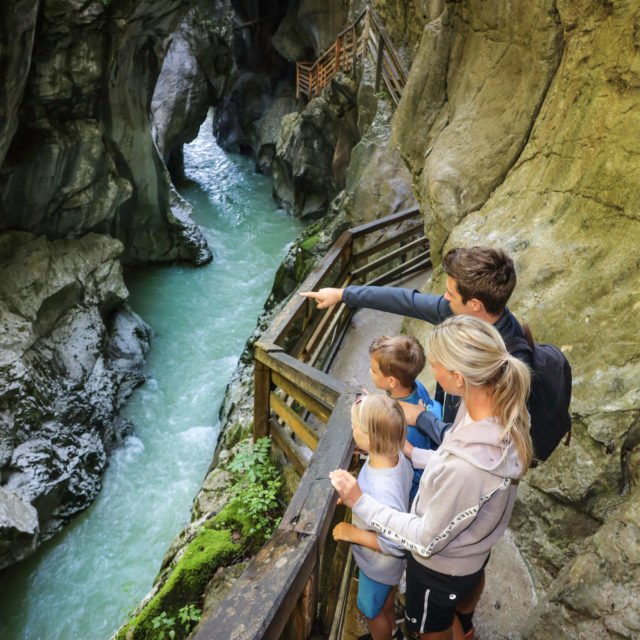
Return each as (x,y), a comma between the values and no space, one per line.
(82,584)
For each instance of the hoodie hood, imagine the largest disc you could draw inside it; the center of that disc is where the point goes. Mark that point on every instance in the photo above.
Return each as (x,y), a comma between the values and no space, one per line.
(481,443)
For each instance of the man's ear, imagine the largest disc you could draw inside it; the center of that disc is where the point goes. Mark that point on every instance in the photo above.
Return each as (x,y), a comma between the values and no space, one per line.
(392,382)
(477,305)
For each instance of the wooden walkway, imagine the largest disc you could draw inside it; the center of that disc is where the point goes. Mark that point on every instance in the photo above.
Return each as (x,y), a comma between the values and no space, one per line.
(365,37)
(292,587)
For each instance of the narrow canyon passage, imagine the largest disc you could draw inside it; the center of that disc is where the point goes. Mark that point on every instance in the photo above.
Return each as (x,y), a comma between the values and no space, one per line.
(83,582)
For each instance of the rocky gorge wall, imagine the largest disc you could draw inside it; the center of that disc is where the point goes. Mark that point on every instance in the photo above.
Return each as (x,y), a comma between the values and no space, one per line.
(516,129)
(71,352)
(525,114)
(82,190)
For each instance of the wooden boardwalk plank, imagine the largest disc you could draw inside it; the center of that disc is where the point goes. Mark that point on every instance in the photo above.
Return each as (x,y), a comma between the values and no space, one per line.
(271,585)
(315,498)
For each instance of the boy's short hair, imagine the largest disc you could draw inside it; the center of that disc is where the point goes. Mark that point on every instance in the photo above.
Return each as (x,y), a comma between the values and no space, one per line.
(401,357)
(382,419)
(483,273)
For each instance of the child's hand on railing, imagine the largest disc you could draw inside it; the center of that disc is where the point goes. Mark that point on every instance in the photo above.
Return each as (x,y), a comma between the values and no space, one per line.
(343,531)
(325,298)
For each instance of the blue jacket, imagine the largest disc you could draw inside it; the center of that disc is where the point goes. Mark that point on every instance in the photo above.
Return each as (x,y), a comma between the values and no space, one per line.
(416,437)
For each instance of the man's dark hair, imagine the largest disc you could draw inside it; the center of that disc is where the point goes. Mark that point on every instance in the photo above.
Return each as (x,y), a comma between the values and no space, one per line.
(482,273)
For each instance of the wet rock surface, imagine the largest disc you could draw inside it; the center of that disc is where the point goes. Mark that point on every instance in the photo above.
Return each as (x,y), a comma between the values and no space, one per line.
(310,164)
(71,352)
(195,71)
(77,147)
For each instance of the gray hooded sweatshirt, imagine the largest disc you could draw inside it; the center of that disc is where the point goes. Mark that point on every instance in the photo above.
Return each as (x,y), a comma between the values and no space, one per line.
(464,502)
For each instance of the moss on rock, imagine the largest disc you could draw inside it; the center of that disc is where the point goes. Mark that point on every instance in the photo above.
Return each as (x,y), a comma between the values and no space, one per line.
(220,542)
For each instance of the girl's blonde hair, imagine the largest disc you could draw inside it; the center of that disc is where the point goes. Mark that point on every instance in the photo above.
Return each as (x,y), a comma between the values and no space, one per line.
(476,350)
(382,419)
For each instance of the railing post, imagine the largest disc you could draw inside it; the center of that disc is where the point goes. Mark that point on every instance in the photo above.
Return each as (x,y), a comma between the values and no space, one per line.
(354,45)
(366,32)
(337,64)
(261,403)
(303,617)
(379,59)
(297,80)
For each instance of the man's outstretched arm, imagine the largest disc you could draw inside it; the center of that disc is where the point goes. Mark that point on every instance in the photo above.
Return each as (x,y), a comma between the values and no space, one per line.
(404,302)
(325,298)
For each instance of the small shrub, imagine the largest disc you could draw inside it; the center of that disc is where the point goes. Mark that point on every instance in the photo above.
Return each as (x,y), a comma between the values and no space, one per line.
(257,484)
(164,625)
(189,617)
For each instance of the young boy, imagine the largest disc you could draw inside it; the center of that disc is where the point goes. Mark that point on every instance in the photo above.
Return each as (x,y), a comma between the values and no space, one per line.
(395,364)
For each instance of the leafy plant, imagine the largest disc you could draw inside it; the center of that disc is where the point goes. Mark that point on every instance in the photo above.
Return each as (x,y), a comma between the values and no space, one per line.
(189,617)
(165,625)
(257,484)
(252,460)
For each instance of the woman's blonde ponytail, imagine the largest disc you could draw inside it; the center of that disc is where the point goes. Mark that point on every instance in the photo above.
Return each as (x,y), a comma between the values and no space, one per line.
(510,393)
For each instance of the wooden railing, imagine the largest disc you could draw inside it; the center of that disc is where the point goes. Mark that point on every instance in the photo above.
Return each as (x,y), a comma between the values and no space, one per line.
(291,583)
(365,36)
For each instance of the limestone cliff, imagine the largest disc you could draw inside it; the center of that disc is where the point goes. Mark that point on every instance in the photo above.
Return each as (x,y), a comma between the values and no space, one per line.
(80,156)
(259,91)
(194,74)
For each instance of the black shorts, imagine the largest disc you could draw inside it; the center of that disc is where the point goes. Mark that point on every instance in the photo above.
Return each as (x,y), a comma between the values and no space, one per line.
(432,597)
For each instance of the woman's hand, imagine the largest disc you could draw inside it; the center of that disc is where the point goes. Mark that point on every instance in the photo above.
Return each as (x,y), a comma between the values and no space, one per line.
(346,485)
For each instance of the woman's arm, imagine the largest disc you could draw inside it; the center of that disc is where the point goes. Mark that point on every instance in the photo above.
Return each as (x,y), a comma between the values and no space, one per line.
(419,457)
(452,506)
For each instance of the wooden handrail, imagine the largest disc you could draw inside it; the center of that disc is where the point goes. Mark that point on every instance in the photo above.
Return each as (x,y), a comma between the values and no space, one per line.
(268,590)
(296,305)
(387,221)
(289,564)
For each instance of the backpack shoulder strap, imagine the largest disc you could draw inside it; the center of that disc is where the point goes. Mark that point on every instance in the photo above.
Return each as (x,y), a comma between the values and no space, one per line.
(517,344)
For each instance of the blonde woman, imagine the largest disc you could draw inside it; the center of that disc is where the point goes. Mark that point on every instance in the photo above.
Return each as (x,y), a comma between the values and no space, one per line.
(469,484)
(379,429)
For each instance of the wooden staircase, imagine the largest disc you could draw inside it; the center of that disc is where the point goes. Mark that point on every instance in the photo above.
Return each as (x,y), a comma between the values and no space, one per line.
(365,37)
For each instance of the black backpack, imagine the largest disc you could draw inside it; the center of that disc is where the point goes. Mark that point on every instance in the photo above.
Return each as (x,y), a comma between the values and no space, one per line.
(550,393)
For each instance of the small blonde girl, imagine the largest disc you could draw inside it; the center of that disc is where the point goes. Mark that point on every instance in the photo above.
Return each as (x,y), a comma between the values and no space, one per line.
(379,428)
